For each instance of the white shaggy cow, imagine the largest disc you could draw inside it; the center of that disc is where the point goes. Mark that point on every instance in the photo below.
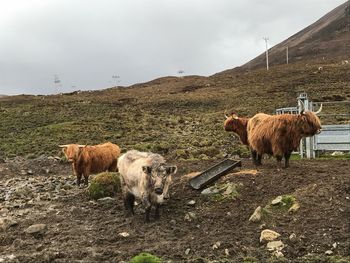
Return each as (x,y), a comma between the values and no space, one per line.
(147,177)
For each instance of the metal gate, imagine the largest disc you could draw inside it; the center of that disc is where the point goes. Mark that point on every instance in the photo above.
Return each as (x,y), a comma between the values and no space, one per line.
(332,137)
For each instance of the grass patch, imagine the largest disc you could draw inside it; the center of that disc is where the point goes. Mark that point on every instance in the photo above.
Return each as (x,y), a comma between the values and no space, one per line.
(145,258)
(104,185)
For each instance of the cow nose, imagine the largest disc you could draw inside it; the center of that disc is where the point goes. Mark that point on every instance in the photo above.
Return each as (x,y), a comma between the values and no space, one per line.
(158,191)
(319,131)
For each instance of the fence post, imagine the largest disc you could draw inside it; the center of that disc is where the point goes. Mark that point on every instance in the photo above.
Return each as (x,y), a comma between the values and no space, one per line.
(303,102)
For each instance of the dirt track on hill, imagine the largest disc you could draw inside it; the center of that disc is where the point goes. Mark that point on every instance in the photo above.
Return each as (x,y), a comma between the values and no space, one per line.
(81,230)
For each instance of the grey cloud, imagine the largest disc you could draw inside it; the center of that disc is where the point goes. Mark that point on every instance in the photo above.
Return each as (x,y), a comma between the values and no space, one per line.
(86,42)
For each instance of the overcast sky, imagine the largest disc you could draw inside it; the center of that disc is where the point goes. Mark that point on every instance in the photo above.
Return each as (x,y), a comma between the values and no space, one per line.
(86,42)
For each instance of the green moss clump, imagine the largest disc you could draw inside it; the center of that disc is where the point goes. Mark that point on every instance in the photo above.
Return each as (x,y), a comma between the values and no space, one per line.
(145,258)
(104,184)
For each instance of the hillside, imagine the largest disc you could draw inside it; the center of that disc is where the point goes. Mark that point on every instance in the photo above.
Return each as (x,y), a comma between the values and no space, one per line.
(328,38)
(45,217)
(180,117)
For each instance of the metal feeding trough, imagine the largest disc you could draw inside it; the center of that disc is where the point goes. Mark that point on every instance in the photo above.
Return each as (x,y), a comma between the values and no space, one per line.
(214,173)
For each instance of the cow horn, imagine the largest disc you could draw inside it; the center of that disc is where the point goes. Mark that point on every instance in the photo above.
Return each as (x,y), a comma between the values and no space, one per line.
(63,146)
(226,115)
(319,110)
(81,146)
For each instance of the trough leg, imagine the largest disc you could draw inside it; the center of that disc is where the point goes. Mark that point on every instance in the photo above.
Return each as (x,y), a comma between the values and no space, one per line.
(129,203)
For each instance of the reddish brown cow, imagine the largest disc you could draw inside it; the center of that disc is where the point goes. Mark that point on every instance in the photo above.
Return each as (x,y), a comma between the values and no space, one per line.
(237,125)
(88,160)
(279,135)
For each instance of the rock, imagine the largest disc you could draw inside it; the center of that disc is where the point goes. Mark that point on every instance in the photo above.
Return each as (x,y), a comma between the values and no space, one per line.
(30,172)
(7,222)
(191,202)
(337,153)
(277,200)
(216,245)
(256,216)
(328,252)
(229,189)
(268,235)
(173,221)
(295,207)
(36,229)
(277,254)
(210,191)
(335,245)
(293,238)
(275,246)
(227,252)
(190,216)
(187,251)
(124,234)
(106,199)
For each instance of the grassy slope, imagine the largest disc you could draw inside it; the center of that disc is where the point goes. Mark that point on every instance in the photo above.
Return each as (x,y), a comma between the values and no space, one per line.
(178,117)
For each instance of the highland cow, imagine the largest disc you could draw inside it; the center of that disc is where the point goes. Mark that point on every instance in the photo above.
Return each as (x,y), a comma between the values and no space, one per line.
(147,177)
(238,126)
(280,135)
(88,160)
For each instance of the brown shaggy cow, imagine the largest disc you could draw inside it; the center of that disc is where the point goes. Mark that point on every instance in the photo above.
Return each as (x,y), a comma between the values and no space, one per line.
(88,160)
(237,125)
(279,135)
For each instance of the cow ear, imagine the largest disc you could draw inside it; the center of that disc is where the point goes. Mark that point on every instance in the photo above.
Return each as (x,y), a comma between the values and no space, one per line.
(171,169)
(147,169)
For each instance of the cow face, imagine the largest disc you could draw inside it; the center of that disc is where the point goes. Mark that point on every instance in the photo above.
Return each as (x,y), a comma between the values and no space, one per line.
(311,124)
(160,176)
(231,123)
(71,151)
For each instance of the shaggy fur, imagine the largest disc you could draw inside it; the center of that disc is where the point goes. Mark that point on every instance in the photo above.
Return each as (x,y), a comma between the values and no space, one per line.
(92,159)
(145,176)
(279,135)
(238,126)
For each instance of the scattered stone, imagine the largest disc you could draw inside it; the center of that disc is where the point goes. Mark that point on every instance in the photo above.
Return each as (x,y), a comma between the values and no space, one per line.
(277,254)
(256,216)
(229,190)
(295,207)
(191,202)
(30,172)
(23,172)
(173,221)
(187,251)
(229,214)
(293,238)
(124,234)
(227,252)
(106,199)
(210,191)
(216,245)
(337,153)
(328,252)
(275,246)
(36,229)
(190,216)
(277,200)
(335,245)
(7,222)
(268,235)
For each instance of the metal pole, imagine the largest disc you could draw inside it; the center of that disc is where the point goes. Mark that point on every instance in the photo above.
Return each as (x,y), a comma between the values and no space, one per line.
(267,53)
(287,56)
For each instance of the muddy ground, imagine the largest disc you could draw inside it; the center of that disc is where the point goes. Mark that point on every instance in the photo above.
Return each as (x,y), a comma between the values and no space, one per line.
(42,191)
